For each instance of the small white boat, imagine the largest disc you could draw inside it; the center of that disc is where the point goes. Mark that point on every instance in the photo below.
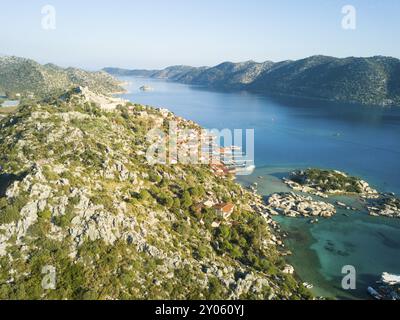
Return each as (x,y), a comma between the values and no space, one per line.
(146,88)
(390,279)
(308,285)
(374,293)
(245,170)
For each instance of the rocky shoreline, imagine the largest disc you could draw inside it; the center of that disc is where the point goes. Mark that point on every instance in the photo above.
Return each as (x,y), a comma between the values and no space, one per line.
(302,203)
(387,205)
(294,205)
(326,183)
(305,189)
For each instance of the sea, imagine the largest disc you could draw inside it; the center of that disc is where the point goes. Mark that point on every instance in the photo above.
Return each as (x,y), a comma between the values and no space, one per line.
(295,133)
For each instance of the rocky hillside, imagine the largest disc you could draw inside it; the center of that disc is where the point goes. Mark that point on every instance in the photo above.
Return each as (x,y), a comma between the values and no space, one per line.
(374,80)
(226,75)
(78,197)
(27,77)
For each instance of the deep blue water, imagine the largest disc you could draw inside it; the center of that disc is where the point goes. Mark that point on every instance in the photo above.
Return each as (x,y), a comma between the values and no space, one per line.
(293,133)
(361,140)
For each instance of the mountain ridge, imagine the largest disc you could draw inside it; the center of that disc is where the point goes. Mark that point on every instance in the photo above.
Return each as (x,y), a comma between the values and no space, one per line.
(26,77)
(371,80)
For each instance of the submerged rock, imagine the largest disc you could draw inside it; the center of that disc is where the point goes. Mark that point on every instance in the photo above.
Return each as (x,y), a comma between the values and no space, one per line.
(386,205)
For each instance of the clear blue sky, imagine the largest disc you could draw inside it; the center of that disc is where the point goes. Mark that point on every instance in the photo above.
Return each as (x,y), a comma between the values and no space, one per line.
(157,33)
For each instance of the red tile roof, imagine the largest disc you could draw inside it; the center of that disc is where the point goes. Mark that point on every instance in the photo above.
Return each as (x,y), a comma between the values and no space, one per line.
(225,207)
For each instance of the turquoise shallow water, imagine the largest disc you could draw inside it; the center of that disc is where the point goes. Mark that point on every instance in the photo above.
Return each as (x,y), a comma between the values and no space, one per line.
(370,244)
(295,133)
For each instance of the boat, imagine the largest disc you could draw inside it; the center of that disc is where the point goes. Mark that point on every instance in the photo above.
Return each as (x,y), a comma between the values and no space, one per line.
(390,279)
(374,293)
(235,148)
(247,170)
(308,285)
(146,88)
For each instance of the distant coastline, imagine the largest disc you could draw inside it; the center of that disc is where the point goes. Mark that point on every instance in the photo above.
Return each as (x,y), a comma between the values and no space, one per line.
(350,80)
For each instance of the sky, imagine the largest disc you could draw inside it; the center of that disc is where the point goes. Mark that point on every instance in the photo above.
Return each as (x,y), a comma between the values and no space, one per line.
(93,34)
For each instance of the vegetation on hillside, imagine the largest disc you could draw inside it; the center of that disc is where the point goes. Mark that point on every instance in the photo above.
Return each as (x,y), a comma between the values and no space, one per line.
(29,79)
(78,195)
(327,180)
(373,80)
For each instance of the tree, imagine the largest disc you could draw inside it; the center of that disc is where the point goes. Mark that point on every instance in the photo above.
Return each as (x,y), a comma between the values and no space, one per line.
(225,232)
(236,252)
(144,195)
(194,191)
(154,177)
(45,214)
(186,200)
(166,200)
(177,203)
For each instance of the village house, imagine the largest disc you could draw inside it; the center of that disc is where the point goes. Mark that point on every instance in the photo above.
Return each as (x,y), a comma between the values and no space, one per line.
(225,209)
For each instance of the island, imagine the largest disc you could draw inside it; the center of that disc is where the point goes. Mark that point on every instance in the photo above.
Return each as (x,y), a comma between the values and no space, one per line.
(325,184)
(328,182)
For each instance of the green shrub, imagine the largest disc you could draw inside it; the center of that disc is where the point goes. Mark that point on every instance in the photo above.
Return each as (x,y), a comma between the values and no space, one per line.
(64,220)
(201,252)
(155,177)
(166,200)
(215,289)
(186,200)
(144,195)
(45,214)
(9,214)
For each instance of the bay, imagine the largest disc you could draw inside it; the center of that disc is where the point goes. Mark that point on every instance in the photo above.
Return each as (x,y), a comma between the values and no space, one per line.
(293,133)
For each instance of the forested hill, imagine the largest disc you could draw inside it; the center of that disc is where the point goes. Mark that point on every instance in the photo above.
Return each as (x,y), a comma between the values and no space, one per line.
(373,80)
(27,77)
